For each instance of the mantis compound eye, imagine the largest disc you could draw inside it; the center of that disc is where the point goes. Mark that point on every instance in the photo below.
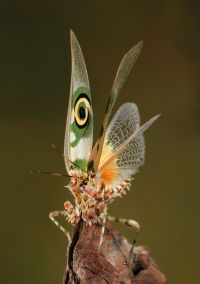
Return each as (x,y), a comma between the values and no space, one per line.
(86,188)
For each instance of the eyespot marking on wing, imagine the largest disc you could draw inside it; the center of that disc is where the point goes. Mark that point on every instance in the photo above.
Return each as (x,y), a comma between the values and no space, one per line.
(82,108)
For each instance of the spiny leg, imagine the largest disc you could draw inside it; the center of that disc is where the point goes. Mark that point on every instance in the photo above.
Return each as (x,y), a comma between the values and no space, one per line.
(52,216)
(131,223)
(103,227)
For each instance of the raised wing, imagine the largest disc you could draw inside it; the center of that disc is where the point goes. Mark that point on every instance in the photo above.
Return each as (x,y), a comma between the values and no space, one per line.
(79,126)
(123,149)
(123,71)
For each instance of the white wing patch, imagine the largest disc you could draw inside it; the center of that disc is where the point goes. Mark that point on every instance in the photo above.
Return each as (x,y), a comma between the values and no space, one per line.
(72,137)
(82,150)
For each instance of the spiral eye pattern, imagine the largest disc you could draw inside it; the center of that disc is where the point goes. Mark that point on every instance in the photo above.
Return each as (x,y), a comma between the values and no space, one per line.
(81,111)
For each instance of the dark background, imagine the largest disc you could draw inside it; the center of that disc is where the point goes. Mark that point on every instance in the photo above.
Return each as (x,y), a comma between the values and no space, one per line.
(35,76)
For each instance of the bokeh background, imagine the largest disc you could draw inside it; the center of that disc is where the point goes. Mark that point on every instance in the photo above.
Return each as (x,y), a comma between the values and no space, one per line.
(35,76)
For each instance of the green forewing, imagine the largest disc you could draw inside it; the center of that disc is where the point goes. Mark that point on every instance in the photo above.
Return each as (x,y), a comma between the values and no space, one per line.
(79,126)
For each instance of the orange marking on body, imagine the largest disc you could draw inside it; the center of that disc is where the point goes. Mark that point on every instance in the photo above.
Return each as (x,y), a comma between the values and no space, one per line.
(108,174)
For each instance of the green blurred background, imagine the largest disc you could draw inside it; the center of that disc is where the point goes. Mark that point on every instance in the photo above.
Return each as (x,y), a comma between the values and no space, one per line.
(35,76)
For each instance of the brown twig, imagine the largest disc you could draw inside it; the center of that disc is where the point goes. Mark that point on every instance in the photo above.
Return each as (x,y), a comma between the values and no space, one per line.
(86,264)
